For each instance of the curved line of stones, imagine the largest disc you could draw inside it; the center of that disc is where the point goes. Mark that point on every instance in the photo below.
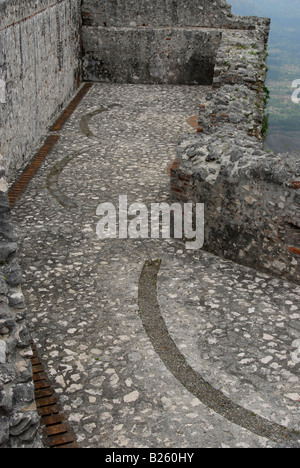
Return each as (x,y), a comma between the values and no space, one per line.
(176,363)
(52,181)
(85,121)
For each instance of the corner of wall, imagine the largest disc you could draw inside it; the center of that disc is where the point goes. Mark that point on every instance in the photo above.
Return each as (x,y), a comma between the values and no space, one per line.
(251,196)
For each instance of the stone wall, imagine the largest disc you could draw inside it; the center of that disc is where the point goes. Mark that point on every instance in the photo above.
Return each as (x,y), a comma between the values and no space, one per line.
(154,42)
(40,66)
(19,421)
(251,196)
(166,13)
(152,56)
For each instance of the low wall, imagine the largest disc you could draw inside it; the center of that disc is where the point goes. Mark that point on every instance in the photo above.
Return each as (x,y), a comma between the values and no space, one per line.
(40,67)
(39,71)
(157,13)
(154,41)
(153,56)
(251,197)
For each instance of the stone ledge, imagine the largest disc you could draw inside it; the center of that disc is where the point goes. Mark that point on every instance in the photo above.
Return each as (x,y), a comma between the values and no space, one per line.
(169,13)
(150,55)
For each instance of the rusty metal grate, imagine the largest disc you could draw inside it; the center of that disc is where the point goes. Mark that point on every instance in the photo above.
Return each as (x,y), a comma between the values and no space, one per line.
(71,107)
(20,185)
(55,428)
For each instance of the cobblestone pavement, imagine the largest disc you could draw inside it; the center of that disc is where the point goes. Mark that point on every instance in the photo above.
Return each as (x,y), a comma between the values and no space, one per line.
(122,384)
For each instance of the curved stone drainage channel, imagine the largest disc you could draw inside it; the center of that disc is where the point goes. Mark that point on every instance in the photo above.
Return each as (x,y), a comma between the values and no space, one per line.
(176,363)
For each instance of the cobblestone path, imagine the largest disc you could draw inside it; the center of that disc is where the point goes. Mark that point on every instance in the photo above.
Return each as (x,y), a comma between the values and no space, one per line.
(222,368)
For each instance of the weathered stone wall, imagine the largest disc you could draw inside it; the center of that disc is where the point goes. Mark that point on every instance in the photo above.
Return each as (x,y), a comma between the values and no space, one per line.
(154,42)
(152,56)
(155,13)
(251,196)
(40,66)
(19,421)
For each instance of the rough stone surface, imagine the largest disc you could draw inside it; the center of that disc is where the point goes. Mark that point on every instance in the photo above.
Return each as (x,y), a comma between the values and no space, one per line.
(183,56)
(19,421)
(40,66)
(154,42)
(168,13)
(233,327)
(84,308)
(251,196)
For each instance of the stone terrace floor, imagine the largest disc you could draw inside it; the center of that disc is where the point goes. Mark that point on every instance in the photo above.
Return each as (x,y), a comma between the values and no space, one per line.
(225,350)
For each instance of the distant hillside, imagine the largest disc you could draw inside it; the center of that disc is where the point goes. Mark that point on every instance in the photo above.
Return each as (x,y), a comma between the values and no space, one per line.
(245,7)
(275,8)
(284,67)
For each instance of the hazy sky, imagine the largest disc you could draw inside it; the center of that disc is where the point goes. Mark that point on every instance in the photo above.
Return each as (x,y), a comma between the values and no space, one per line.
(285,16)
(284,67)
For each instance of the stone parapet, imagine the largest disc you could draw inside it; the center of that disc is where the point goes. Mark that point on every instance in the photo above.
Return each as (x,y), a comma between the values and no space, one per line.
(162,13)
(155,42)
(251,196)
(183,56)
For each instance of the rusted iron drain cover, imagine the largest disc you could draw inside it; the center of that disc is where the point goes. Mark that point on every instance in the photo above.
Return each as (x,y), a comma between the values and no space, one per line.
(55,428)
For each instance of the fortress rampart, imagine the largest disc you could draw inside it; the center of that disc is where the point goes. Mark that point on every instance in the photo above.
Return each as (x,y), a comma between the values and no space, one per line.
(47,47)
